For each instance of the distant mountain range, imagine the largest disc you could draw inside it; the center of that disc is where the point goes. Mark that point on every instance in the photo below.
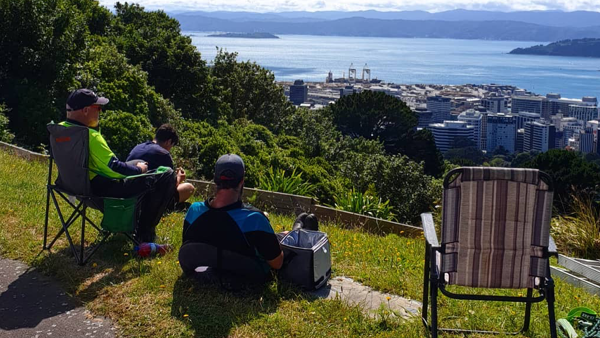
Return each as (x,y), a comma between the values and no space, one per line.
(544,18)
(580,47)
(327,23)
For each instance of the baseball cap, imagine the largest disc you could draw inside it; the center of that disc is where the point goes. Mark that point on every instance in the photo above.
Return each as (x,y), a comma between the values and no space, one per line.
(82,98)
(229,167)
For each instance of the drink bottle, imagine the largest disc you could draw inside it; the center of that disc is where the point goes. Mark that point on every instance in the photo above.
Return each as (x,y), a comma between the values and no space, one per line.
(151,249)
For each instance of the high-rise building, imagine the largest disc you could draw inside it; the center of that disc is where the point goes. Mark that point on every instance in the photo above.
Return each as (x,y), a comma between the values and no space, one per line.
(539,136)
(586,141)
(531,104)
(298,92)
(495,104)
(440,107)
(501,132)
(524,117)
(425,117)
(588,137)
(583,112)
(519,142)
(473,118)
(448,133)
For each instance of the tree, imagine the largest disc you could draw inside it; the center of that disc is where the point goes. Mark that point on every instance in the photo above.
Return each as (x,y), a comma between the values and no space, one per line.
(106,71)
(40,44)
(175,68)
(123,131)
(378,116)
(248,91)
(472,155)
(522,158)
(570,172)
(409,190)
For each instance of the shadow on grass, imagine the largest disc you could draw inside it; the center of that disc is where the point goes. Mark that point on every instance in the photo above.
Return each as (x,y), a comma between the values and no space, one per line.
(105,268)
(212,311)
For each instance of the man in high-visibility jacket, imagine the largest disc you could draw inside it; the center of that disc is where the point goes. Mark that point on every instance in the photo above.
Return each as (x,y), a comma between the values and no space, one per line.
(109,176)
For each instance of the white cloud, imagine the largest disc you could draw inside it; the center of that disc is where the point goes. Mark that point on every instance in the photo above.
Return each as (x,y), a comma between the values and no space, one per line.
(351,5)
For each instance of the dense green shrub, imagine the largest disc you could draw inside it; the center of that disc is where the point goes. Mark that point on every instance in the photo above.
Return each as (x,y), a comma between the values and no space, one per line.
(570,172)
(123,131)
(5,134)
(378,116)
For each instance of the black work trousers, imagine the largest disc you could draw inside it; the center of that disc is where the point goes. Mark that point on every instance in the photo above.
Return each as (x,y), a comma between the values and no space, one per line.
(157,191)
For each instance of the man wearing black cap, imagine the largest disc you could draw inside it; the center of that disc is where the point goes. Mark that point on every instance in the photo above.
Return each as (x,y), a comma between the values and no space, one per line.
(223,233)
(108,175)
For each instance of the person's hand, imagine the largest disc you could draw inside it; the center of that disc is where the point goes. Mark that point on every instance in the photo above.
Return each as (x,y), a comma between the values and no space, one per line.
(143,166)
(180,176)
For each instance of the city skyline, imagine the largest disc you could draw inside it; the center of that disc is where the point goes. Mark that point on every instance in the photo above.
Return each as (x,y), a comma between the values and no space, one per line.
(356,5)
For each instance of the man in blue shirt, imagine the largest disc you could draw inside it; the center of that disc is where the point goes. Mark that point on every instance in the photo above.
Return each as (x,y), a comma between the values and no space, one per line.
(225,234)
(157,153)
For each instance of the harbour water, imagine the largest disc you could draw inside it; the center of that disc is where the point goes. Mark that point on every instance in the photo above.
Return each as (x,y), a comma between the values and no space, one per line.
(410,61)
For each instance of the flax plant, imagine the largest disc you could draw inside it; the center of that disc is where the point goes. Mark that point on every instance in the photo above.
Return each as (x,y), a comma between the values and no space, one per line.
(578,234)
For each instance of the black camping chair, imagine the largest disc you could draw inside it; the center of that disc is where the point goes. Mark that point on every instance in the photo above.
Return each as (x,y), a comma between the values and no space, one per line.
(69,149)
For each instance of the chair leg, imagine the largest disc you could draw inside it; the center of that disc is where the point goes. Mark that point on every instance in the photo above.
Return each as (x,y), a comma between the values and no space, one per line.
(527,312)
(551,315)
(425,288)
(433,278)
(46,220)
(82,248)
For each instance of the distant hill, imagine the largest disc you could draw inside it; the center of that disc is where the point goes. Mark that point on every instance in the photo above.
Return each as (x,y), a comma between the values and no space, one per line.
(580,47)
(483,30)
(245,35)
(544,18)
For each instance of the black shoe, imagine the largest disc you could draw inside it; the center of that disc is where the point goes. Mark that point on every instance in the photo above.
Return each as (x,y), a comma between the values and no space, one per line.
(311,223)
(299,222)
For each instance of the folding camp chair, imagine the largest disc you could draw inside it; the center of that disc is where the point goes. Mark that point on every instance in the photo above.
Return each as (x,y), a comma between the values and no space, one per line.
(495,234)
(69,149)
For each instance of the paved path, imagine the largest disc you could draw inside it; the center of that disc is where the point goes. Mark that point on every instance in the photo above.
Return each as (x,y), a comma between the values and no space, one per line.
(357,294)
(33,305)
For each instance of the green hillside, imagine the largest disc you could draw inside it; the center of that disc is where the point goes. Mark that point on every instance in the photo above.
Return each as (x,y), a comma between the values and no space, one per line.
(577,47)
(152,298)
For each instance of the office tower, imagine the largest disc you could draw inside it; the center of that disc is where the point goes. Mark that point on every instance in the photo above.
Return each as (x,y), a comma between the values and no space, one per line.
(448,133)
(425,117)
(495,104)
(473,118)
(298,92)
(583,112)
(531,104)
(539,136)
(524,117)
(519,141)
(440,107)
(501,132)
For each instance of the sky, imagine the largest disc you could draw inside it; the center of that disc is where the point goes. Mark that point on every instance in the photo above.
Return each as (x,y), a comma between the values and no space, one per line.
(354,5)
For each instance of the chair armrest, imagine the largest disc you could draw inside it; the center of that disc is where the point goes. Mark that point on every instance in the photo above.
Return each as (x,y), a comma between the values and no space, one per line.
(552,248)
(429,229)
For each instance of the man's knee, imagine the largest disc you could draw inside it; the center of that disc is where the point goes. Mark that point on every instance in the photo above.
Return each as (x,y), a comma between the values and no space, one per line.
(185,190)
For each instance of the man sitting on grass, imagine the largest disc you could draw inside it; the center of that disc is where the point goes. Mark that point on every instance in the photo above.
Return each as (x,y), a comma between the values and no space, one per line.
(108,175)
(224,234)
(157,153)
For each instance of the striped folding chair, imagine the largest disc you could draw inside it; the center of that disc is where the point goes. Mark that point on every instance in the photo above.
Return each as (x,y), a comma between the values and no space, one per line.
(495,233)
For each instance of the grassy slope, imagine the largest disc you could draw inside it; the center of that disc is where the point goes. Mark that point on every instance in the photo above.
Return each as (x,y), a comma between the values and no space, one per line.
(151,298)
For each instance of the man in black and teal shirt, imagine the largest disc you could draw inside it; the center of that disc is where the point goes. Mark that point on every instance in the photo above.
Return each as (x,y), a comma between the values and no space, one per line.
(223,233)
(108,175)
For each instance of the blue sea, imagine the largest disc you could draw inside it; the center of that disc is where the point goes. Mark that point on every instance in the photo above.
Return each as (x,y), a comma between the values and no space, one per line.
(411,61)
